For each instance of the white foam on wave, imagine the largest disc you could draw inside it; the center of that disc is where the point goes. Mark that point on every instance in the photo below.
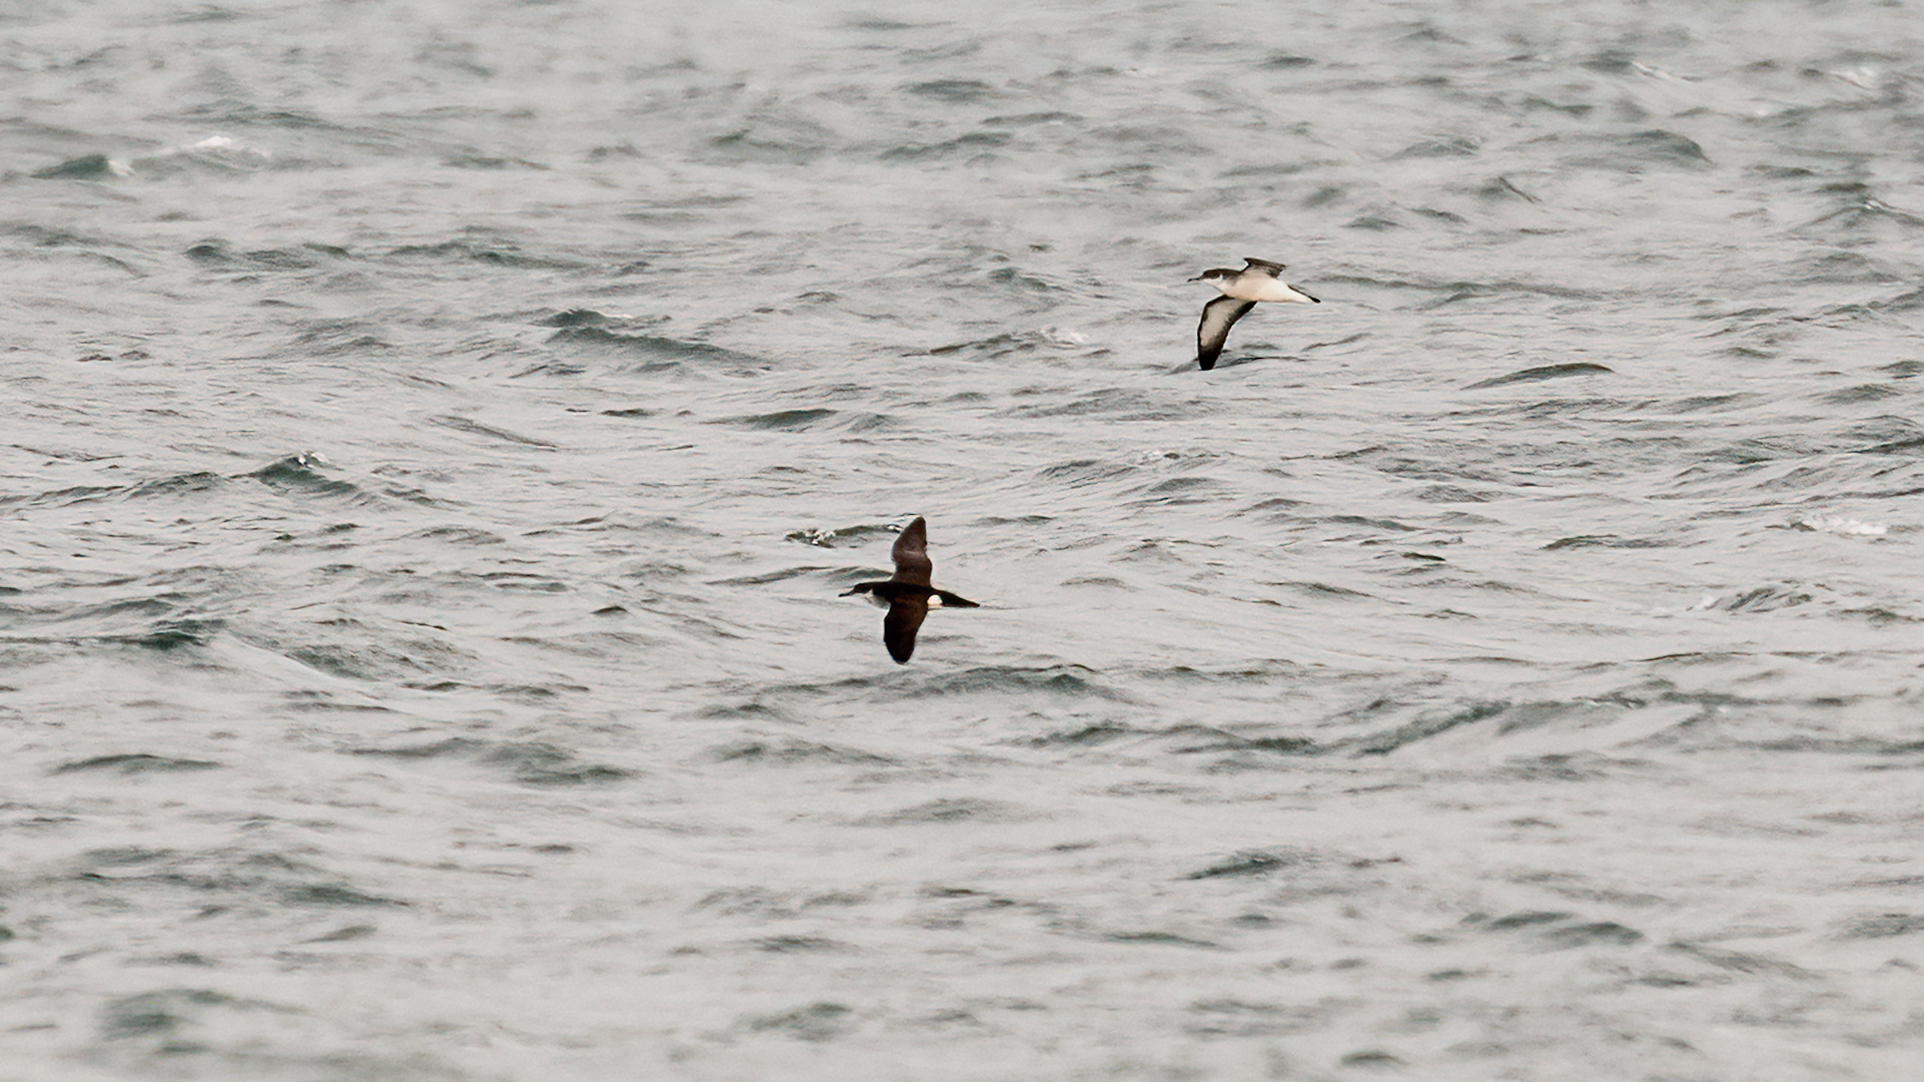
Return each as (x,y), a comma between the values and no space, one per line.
(220,150)
(1825,522)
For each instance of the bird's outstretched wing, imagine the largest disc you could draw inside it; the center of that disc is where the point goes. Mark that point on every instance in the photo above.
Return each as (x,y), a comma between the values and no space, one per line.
(900,625)
(912,563)
(1274,270)
(1218,316)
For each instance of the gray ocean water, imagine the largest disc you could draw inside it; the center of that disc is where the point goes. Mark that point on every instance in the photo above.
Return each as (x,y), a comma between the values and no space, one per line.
(435,436)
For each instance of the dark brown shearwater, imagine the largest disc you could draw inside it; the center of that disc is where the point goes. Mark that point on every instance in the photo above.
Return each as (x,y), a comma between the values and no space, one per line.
(909,595)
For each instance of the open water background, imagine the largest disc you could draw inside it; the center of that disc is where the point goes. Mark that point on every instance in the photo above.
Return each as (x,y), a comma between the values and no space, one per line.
(435,435)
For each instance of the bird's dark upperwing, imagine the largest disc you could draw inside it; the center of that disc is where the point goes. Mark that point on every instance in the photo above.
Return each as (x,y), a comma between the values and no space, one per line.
(1274,270)
(1218,316)
(912,562)
(900,625)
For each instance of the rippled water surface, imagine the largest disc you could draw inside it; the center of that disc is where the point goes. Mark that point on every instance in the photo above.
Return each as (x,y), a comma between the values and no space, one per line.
(436,436)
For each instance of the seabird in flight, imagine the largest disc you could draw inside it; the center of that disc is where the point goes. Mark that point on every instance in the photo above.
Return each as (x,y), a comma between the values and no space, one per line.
(908,595)
(1261,280)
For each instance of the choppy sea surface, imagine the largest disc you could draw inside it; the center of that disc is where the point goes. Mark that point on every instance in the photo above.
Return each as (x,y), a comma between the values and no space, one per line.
(435,436)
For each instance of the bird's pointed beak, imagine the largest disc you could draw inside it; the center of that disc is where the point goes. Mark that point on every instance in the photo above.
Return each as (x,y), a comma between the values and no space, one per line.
(1197,278)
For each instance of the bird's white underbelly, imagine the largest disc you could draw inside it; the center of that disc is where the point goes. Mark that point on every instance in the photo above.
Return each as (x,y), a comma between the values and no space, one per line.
(1266,289)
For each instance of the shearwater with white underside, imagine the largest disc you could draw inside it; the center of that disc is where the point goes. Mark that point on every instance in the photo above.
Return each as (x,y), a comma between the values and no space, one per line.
(1261,280)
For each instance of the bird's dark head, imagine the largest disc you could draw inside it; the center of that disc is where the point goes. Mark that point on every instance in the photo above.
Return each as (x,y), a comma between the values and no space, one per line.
(1214,273)
(858,588)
